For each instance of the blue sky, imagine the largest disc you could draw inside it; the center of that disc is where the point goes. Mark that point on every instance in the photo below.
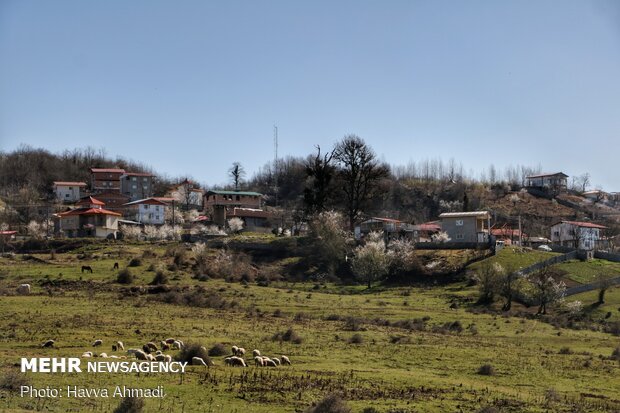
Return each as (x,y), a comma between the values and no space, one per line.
(191,86)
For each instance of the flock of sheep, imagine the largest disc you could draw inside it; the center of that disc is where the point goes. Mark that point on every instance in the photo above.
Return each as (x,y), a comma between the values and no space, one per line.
(150,352)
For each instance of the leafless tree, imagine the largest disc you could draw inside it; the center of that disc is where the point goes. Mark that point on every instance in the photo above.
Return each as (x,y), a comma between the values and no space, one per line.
(583,181)
(320,172)
(360,173)
(237,173)
(604,283)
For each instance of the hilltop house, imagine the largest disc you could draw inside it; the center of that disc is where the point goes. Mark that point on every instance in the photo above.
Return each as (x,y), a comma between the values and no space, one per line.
(390,227)
(554,182)
(226,204)
(150,211)
(136,185)
(508,235)
(89,219)
(466,226)
(68,191)
(106,179)
(188,195)
(577,234)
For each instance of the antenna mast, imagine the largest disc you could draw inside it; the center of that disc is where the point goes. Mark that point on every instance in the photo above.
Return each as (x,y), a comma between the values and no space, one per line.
(275,160)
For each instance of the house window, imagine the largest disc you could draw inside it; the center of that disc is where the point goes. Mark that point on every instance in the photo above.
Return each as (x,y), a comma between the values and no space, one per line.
(134,186)
(556,233)
(145,179)
(460,236)
(133,178)
(459,222)
(70,189)
(156,207)
(237,197)
(66,195)
(157,217)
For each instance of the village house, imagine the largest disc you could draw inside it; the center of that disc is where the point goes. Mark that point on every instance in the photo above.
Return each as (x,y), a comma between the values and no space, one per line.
(253,219)
(596,195)
(577,234)
(392,228)
(137,185)
(89,219)
(68,191)
(188,195)
(114,201)
(466,226)
(106,179)
(508,236)
(424,232)
(151,211)
(222,204)
(554,182)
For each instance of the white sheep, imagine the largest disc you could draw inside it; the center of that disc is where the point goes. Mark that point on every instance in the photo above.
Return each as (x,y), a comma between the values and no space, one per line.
(177,345)
(141,355)
(150,357)
(151,346)
(258,361)
(48,343)
(170,340)
(198,361)
(255,353)
(235,361)
(269,363)
(276,360)
(120,345)
(87,354)
(167,358)
(165,346)
(234,350)
(240,352)
(103,355)
(160,357)
(97,343)
(23,289)
(132,351)
(285,360)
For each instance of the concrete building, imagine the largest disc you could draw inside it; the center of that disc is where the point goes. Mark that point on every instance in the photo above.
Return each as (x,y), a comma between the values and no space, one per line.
(69,191)
(137,185)
(466,226)
(553,182)
(106,179)
(221,204)
(151,211)
(577,234)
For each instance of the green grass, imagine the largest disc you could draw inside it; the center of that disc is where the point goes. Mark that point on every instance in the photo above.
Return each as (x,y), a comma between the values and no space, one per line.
(424,371)
(585,272)
(512,258)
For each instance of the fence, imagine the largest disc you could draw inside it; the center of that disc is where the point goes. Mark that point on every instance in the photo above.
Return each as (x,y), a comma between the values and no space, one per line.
(589,287)
(452,245)
(609,256)
(551,261)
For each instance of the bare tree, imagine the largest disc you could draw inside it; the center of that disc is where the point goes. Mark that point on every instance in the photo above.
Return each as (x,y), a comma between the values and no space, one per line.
(360,172)
(237,173)
(604,283)
(584,181)
(320,172)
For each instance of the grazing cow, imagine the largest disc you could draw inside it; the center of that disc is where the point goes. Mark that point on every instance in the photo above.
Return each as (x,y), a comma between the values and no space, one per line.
(87,268)
(115,266)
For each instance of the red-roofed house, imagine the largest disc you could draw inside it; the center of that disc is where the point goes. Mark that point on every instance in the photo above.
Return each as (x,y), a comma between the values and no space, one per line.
(577,234)
(90,219)
(386,225)
(150,211)
(68,191)
(424,232)
(106,179)
(508,235)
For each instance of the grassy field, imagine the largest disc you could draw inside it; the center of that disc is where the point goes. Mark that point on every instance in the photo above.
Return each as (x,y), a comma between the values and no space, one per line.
(407,348)
(584,272)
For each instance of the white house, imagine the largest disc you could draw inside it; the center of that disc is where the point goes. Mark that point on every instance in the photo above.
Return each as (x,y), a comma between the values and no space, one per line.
(147,211)
(68,191)
(89,219)
(581,235)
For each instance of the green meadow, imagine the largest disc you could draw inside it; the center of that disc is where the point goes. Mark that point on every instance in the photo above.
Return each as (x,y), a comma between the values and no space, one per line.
(418,348)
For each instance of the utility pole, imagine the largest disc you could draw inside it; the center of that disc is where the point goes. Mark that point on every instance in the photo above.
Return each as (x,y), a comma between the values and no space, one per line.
(173,213)
(520,233)
(275,160)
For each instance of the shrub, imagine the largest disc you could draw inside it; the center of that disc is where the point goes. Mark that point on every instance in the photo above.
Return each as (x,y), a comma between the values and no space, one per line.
(486,370)
(565,350)
(135,262)
(616,353)
(13,380)
(218,350)
(356,339)
(332,403)
(160,278)
(192,350)
(488,409)
(370,410)
(289,335)
(130,405)
(353,324)
(124,277)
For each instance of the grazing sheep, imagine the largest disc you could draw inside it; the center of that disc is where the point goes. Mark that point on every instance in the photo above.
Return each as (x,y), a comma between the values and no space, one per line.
(269,363)
(151,346)
(87,354)
(87,268)
(114,347)
(132,351)
(140,355)
(235,361)
(177,345)
(165,346)
(113,356)
(285,360)
(240,352)
(103,355)
(277,360)
(48,343)
(198,361)
(258,361)
(158,352)
(120,346)
(160,357)
(23,289)
(234,350)
(170,340)
(167,358)
(150,357)
(255,353)
(97,343)
(115,267)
